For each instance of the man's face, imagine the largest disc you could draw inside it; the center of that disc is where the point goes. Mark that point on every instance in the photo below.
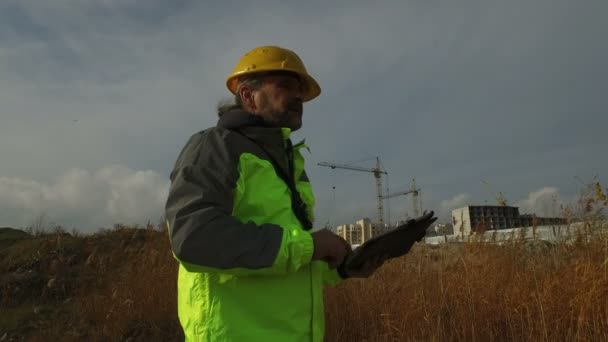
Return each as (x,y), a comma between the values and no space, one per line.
(279,101)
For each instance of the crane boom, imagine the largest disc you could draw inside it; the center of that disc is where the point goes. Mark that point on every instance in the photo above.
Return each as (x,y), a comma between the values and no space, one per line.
(349,167)
(399,194)
(415,191)
(377,171)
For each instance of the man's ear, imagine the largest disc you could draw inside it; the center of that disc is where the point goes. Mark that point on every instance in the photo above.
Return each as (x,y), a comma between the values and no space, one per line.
(246,95)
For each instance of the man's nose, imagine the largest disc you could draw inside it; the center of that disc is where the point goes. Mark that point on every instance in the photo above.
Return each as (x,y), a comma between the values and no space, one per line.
(298,93)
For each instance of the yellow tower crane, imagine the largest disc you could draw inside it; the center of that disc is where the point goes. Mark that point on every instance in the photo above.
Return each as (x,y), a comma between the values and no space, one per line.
(377,171)
(500,199)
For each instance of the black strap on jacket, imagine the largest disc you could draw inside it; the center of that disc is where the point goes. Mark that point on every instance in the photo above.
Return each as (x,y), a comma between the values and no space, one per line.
(297,205)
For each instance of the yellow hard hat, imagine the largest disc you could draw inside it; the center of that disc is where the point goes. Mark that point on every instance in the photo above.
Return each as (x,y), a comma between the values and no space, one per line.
(273,58)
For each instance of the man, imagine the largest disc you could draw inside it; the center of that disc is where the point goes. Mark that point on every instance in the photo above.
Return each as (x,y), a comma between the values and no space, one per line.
(240,212)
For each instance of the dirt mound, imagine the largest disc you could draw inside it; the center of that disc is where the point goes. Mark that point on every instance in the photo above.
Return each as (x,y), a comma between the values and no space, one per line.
(115,284)
(8,236)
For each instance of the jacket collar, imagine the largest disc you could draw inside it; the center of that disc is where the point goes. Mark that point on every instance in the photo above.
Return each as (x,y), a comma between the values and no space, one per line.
(237,119)
(250,123)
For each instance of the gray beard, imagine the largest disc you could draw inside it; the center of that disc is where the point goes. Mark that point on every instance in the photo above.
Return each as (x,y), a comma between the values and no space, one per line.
(281,119)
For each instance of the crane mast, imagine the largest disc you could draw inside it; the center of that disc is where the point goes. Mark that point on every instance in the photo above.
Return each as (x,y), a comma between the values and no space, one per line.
(416,199)
(378,176)
(377,171)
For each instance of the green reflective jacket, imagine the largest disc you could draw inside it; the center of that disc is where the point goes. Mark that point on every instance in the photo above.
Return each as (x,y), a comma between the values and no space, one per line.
(245,269)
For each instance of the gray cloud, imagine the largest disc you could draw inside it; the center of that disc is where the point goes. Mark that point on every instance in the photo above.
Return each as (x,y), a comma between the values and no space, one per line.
(445,93)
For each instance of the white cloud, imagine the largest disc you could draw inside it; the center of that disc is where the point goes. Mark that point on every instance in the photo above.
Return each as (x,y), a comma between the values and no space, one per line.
(84,200)
(543,202)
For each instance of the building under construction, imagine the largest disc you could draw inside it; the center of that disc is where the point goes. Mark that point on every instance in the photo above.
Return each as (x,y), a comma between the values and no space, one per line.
(472,219)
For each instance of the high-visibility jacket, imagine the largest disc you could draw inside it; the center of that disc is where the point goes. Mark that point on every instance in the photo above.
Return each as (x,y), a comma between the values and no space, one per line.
(245,269)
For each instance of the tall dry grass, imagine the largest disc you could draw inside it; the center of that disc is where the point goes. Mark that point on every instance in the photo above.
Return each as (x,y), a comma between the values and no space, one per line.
(136,299)
(125,290)
(478,292)
(120,285)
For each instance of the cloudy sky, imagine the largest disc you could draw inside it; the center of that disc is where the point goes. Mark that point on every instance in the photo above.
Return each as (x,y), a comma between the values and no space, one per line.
(98,97)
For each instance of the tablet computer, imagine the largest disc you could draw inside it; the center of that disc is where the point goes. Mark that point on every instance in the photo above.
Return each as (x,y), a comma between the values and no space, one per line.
(392,244)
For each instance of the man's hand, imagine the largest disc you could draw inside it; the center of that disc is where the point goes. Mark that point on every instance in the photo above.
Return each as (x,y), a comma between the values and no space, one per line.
(368,268)
(329,247)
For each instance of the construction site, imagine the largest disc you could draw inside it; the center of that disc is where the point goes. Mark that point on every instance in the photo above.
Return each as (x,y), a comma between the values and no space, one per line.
(465,221)
(472,219)
(364,229)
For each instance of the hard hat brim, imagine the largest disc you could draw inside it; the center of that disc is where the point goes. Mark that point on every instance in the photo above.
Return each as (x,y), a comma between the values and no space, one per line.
(313,89)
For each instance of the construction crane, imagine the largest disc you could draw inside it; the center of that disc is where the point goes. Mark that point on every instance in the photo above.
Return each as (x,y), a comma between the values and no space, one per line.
(500,199)
(377,171)
(416,199)
(415,191)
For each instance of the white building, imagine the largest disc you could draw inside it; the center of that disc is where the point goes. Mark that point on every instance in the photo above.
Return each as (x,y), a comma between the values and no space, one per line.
(360,231)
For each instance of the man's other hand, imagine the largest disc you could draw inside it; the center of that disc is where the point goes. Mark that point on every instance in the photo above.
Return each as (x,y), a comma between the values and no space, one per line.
(329,247)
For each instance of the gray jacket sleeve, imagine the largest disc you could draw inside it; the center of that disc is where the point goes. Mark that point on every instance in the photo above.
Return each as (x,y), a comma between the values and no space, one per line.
(198,210)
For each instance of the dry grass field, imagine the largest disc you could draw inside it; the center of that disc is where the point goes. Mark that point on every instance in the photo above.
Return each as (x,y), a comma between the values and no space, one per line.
(119,285)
